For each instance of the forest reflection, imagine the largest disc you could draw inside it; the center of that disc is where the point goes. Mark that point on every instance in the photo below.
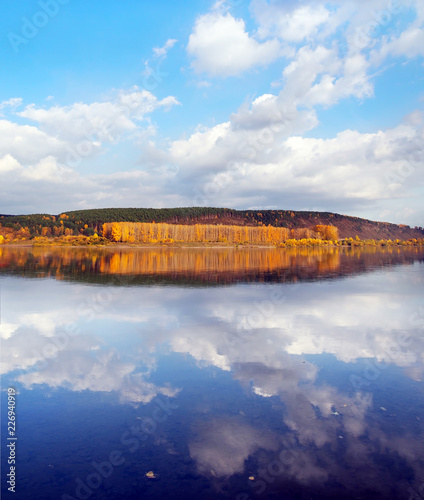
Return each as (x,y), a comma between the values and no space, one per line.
(211,265)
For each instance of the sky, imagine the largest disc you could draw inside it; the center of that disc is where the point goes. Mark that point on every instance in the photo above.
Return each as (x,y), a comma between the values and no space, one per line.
(260,104)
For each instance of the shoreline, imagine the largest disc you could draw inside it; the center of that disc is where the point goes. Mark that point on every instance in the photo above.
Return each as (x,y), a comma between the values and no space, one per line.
(120,245)
(197,245)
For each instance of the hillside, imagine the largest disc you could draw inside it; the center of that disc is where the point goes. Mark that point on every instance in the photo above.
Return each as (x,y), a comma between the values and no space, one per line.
(89,221)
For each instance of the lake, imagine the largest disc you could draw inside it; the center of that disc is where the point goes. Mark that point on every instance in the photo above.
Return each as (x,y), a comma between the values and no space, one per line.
(213,373)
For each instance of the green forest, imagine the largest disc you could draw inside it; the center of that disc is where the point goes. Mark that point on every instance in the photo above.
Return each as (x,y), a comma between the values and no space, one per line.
(90,222)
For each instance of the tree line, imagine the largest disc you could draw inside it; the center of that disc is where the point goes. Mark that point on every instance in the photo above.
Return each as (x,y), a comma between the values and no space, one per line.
(89,222)
(143,232)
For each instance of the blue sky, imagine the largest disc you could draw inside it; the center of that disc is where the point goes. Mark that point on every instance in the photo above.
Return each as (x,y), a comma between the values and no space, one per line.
(245,104)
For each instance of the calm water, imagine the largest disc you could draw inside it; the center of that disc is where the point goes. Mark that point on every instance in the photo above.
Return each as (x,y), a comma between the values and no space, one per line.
(208,374)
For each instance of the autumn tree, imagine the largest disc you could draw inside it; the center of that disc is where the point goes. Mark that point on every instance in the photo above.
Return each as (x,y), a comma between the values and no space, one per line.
(116,231)
(327,232)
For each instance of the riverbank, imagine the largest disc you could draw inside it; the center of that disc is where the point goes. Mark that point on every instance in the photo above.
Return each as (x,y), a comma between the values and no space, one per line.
(84,242)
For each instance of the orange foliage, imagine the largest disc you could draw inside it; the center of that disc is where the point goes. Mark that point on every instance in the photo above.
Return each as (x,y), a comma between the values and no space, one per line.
(206,233)
(138,232)
(327,232)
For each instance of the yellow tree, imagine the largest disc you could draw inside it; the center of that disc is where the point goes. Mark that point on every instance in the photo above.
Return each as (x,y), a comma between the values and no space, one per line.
(125,231)
(116,231)
(331,233)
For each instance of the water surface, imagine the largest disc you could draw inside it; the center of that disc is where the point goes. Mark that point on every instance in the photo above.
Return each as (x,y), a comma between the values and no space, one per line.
(215,373)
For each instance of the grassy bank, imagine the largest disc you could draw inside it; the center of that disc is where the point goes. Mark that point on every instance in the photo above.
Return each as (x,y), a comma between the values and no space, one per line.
(289,243)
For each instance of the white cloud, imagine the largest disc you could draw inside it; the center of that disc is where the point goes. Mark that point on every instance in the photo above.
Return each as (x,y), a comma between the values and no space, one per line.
(37,162)
(222,445)
(46,170)
(257,153)
(96,370)
(289,24)
(220,46)
(27,143)
(256,157)
(12,103)
(268,360)
(105,121)
(409,44)
(8,164)
(7,330)
(317,76)
(161,52)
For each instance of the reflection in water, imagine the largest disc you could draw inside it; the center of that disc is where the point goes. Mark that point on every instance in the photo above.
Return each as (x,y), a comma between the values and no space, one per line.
(279,390)
(212,265)
(221,446)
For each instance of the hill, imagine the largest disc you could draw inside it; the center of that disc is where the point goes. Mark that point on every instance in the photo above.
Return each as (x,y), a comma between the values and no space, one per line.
(88,222)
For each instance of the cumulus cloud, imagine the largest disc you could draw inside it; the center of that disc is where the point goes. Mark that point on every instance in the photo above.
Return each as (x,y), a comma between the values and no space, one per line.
(409,44)
(226,161)
(27,143)
(288,21)
(39,163)
(318,77)
(9,164)
(69,134)
(221,46)
(261,145)
(256,158)
(104,120)
(264,152)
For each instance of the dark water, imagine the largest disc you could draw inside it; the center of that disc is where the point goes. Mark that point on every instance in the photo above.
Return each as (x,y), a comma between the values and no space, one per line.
(266,374)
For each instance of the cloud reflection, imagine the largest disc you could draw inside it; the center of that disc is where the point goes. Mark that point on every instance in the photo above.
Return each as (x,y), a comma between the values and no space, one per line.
(328,428)
(221,446)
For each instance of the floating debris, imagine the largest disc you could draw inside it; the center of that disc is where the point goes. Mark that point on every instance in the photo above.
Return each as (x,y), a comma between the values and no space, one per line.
(251,478)
(340,437)
(151,475)
(382,408)
(335,413)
